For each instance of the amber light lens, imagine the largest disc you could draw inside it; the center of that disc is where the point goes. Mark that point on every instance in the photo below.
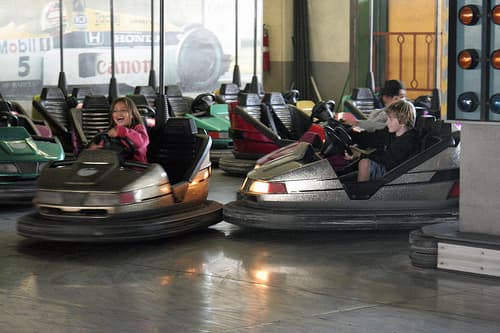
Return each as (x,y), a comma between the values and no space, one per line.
(468,59)
(468,15)
(495,14)
(495,59)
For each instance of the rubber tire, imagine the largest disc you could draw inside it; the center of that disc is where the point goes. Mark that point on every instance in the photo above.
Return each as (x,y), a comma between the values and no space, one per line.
(423,260)
(423,250)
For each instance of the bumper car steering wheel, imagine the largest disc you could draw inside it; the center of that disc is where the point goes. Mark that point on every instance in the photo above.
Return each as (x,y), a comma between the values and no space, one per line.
(323,111)
(8,119)
(122,145)
(337,140)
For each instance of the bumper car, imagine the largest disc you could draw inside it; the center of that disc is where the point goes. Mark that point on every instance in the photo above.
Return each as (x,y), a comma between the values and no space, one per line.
(53,106)
(303,190)
(258,128)
(214,118)
(23,154)
(102,197)
(207,111)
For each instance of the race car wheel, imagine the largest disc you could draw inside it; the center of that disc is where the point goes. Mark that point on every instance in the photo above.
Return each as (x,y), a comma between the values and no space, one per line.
(200,59)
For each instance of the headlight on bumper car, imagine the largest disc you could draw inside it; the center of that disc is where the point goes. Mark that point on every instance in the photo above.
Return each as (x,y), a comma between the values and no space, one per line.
(8,168)
(49,197)
(200,177)
(262,187)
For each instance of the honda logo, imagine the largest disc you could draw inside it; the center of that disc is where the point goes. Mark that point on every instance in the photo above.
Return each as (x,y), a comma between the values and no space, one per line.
(94,38)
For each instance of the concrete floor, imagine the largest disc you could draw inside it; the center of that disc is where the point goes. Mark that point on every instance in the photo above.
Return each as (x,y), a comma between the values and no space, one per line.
(230,280)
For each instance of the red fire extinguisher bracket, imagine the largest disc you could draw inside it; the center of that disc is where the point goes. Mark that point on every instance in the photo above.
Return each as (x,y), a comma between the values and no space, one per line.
(266,60)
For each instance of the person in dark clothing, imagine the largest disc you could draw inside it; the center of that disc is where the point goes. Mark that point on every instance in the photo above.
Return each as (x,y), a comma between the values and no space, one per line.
(394,144)
(391,92)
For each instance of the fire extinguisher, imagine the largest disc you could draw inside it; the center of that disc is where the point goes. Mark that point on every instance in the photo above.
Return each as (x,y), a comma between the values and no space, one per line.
(266,61)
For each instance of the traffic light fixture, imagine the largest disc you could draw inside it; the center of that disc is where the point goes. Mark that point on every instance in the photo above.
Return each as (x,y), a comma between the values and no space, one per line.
(474,61)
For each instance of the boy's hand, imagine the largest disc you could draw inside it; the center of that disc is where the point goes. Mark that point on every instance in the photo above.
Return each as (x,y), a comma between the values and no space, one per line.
(349,122)
(355,154)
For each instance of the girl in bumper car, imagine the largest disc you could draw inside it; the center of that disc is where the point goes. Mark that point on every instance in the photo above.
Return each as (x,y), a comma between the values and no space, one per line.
(126,122)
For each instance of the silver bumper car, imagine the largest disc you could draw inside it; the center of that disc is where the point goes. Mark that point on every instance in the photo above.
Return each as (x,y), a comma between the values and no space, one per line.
(102,198)
(303,190)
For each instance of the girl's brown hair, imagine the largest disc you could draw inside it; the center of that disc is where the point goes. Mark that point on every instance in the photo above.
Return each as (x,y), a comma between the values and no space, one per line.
(135,116)
(404,111)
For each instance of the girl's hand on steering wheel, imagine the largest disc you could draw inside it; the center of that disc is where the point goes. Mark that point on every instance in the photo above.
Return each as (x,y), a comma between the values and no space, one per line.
(112,133)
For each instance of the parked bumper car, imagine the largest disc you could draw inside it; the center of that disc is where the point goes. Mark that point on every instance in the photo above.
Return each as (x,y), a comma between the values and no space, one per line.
(101,197)
(214,118)
(208,112)
(23,154)
(258,128)
(302,189)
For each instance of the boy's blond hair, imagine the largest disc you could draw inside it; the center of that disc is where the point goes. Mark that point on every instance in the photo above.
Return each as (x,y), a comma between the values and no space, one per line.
(404,111)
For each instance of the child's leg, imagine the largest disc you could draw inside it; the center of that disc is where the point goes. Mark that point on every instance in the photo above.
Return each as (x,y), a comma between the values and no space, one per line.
(364,170)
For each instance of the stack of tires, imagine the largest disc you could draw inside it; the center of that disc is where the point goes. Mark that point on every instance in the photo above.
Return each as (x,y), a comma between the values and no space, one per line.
(423,249)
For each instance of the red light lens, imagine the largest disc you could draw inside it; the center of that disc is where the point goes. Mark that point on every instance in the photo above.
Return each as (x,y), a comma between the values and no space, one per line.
(455,191)
(468,59)
(469,15)
(277,188)
(495,59)
(127,198)
(495,14)
(213,134)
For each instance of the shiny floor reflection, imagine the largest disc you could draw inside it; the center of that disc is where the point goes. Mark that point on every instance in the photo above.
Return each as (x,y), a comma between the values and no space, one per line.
(227,279)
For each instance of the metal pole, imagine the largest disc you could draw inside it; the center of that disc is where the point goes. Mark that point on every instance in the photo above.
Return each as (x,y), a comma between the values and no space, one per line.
(254,85)
(113,86)
(112,37)
(61,83)
(162,109)
(371,80)
(236,30)
(162,40)
(236,70)
(255,39)
(437,77)
(152,74)
(61,35)
(436,98)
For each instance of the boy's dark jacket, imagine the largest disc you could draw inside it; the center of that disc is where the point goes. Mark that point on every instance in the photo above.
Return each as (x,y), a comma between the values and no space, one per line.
(391,150)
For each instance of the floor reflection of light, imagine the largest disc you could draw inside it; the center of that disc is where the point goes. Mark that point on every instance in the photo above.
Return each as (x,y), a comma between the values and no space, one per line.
(165,280)
(262,276)
(29,284)
(191,270)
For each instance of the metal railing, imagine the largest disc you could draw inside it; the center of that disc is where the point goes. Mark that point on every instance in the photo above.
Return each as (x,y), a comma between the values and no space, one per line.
(407,56)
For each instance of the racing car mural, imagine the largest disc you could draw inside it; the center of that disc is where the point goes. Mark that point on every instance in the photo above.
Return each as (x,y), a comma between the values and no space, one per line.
(196,54)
